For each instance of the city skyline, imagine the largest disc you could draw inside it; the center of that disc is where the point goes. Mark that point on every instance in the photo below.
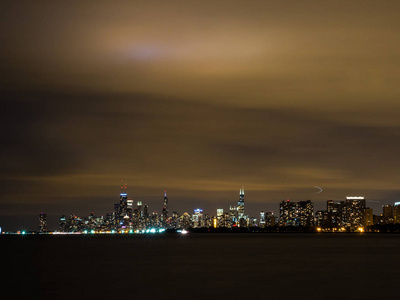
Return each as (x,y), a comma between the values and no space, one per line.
(313,217)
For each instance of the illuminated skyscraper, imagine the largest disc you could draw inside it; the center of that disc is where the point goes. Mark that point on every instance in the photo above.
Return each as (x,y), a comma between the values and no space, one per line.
(287,213)
(296,213)
(262,219)
(215,222)
(305,213)
(221,221)
(334,215)
(90,223)
(387,214)
(122,206)
(145,211)
(146,216)
(396,213)
(369,217)
(270,219)
(233,215)
(165,209)
(155,220)
(197,218)
(355,212)
(207,221)
(74,223)
(129,205)
(240,207)
(129,217)
(62,224)
(319,218)
(175,220)
(42,223)
(122,217)
(139,208)
(253,222)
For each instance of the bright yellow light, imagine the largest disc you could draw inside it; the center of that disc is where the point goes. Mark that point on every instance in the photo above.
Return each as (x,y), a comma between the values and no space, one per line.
(360,229)
(215,222)
(319,229)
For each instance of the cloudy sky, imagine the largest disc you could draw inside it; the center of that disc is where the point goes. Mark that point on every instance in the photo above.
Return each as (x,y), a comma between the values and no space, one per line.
(199,98)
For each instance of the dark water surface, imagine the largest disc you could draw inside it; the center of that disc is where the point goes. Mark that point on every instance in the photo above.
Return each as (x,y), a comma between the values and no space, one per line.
(202,266)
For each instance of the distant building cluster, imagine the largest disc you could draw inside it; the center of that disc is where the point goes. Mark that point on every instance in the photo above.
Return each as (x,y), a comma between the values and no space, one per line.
(350,215)
(127,217)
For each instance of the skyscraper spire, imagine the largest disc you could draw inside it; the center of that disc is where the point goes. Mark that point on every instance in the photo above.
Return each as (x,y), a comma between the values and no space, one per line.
(241,191)
(123,187)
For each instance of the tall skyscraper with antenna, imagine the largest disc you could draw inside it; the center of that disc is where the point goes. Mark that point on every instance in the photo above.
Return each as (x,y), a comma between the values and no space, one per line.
(240,207)
(121,208)
(123,197)
(165,209)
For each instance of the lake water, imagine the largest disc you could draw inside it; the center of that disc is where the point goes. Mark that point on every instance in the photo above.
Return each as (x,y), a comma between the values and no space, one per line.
(202,266)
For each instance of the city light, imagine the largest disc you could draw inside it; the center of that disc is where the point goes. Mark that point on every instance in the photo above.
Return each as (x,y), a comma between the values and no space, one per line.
(350,215)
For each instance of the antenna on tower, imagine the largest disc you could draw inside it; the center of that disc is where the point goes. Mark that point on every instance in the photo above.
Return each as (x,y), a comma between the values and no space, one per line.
(123,187)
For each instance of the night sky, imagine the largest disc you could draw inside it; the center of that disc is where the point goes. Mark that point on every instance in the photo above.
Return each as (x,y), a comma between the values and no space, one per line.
(198,98)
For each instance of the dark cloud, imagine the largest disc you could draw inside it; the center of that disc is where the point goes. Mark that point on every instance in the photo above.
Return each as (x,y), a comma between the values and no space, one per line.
(199,98)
